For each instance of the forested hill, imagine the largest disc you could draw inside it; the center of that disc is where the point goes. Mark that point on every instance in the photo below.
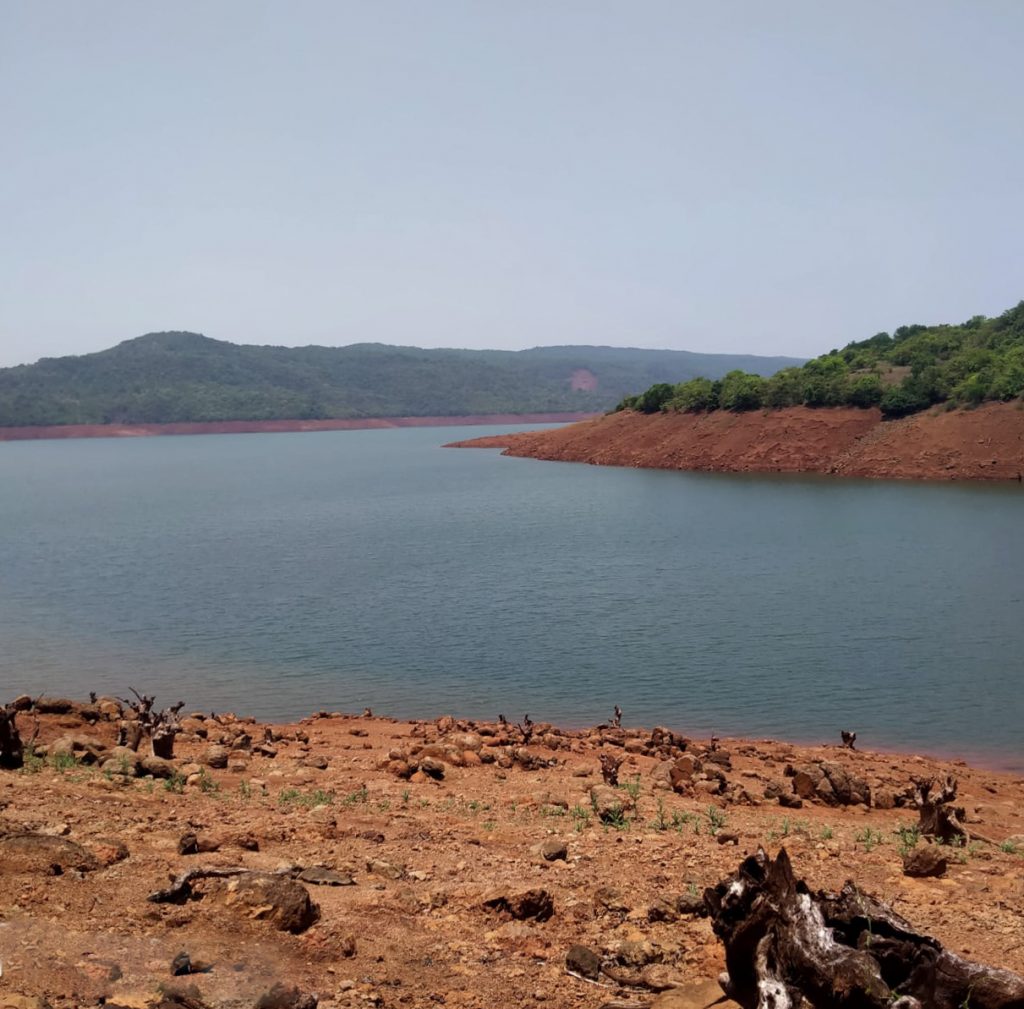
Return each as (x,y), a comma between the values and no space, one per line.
(909,370)
(176,377)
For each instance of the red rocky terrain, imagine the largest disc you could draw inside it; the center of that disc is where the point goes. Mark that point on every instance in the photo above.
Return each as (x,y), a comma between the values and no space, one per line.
(982,444)
(357,861)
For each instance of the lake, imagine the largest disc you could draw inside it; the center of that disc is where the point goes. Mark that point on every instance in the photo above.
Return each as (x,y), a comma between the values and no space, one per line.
(278,574)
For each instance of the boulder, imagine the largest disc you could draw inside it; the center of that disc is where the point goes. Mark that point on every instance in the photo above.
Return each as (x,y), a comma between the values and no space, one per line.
(279,900)
(52,856)
(534,904)
(926,861)
(215,756)
(157,766)
(610,804)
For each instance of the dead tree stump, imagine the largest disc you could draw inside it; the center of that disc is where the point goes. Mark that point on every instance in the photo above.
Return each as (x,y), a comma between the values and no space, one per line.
(786,947)
(937,818)
(12,754)
(160,726)
(610,768)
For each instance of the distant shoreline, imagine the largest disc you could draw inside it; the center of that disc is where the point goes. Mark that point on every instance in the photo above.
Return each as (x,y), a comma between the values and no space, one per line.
(57,431)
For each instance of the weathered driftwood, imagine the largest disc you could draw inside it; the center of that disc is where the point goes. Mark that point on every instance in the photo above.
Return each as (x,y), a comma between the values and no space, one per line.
(160,726)
(181,886)
(786,947)
(938,819)
(12,753)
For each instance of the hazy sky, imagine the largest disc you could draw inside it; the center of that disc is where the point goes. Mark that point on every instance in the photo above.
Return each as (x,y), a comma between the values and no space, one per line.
(777,177)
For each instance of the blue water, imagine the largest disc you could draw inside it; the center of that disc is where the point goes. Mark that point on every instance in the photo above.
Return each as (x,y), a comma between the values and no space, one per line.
(278,574)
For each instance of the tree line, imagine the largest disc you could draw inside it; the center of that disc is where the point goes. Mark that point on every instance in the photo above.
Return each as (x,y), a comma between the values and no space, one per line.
(902,373)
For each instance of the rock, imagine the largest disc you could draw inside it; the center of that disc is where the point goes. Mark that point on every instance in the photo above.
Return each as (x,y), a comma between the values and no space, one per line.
(22,702)
(188,844)
(157,766)
(553,850)
(317,762)
(124,759)
(583,961)
(694,996)
(805,782)
(790,801)
(926,861)
(432,768)
(319,875)
(609,803)
(683,770)
(607,898)
(691,903)
(282,997)
(13,1001)
(215,756)
(40,853)
(884,799)
(536,904)
(829,783)
(727,838)
(663,910)
(109,850)
(84,748)
(54,705)
(283,902)
(389,870)
(661,775)
(638,954)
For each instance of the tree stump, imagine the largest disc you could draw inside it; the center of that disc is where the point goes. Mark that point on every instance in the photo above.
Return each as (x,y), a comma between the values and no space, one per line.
(786,947)
(12,755)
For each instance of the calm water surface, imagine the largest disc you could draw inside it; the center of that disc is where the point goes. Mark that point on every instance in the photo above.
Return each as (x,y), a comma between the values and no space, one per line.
(277,574)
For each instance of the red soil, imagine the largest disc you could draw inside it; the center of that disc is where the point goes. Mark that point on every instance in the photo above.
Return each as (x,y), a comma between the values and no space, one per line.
(260,426)
(982,444)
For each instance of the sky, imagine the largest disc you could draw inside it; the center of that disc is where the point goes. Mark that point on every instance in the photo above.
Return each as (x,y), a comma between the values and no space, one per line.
(766,177)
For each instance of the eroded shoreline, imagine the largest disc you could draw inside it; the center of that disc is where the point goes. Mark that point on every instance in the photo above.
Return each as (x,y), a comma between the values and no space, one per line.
(982,444)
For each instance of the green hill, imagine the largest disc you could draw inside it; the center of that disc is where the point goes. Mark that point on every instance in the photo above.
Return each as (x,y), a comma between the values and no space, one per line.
(911,370)
(174,377)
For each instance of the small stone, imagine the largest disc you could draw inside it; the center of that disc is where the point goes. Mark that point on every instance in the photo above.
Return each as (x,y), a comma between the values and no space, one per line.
(583,961)
(554,850)
(319,875)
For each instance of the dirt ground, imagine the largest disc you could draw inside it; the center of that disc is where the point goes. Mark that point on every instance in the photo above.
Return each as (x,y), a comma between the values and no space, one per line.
(982,444)
(462,883)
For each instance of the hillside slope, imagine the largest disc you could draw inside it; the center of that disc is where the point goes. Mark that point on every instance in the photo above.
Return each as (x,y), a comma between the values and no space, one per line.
(982,444)
(185,377)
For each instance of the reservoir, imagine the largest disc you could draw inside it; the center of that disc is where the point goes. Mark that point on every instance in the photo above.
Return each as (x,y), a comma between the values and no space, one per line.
(279,574)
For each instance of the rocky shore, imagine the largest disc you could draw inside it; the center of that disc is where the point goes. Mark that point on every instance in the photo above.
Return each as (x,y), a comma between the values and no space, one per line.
(352,860)
(982,444)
